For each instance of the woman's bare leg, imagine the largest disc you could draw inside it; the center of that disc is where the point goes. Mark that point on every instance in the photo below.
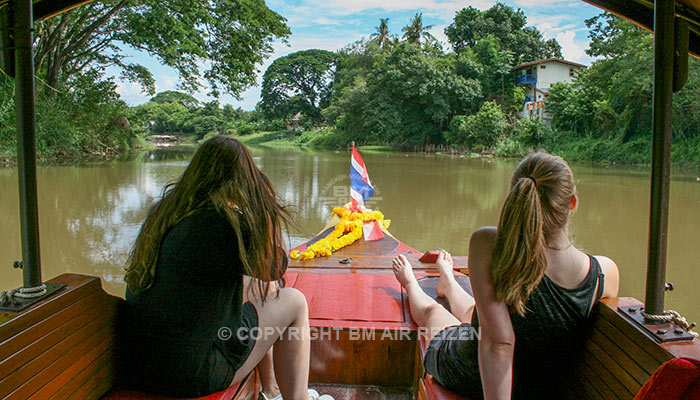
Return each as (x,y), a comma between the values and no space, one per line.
(461,303)
(284,322)
(266,366)
(424,309)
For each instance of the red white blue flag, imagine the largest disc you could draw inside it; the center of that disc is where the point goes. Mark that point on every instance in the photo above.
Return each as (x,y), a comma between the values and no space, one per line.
(361,190)
(360,187)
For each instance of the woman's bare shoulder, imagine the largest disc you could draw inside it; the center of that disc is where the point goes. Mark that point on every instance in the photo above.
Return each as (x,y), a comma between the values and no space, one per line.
(486,233)
(484,236)
(612,276)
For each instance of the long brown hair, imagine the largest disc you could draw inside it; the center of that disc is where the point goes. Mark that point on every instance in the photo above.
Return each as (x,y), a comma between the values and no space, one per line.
(537,206)
(221,175)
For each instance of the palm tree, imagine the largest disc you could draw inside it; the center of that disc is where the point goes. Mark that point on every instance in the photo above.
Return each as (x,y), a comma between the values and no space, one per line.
(415,31)
(382,37)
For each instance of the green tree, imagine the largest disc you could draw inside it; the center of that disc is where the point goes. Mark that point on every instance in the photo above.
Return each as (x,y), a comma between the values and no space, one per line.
(228,36)
(382,37)
(173,96)
(354,60)
(612,99)
(301,81)
(413,95)
(508,25)
(415,30)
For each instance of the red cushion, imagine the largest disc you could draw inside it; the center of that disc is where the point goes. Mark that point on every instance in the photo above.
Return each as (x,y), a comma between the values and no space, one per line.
(126,394)
(675,380)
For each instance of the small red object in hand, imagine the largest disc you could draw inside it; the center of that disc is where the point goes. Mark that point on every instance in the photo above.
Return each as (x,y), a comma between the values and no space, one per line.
(429,257)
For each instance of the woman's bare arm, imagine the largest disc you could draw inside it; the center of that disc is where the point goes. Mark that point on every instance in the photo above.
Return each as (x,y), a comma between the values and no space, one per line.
(612,276)
(497,337)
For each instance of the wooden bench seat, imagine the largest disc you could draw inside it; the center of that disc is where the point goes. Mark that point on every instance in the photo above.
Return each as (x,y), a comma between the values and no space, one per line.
(618,358)
(65,347)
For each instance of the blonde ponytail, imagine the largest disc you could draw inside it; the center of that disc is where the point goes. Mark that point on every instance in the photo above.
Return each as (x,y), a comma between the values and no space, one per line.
(536,207)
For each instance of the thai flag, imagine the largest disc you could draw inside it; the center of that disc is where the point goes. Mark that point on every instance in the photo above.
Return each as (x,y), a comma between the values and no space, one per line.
(360,191)
(360,187)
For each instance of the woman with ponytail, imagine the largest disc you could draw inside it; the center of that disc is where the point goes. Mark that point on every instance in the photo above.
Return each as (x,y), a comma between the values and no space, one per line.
(533,293)
(192,329)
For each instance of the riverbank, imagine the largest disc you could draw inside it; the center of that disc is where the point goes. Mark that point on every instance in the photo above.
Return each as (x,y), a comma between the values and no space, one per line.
(685,153)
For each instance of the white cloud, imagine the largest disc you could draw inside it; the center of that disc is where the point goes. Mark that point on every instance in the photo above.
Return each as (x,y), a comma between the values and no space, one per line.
(571,48)
(130,92)
(561,28)
(439,32)
(444,10)
(326,21)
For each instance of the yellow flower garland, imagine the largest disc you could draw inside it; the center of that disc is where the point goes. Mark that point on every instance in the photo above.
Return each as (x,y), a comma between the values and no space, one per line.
(346,232)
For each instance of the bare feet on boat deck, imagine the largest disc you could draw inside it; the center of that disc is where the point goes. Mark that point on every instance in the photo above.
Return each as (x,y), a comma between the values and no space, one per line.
(403,271)
(447,278)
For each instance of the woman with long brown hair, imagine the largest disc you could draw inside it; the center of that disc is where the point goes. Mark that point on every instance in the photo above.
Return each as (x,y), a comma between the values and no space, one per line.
(533,292)
(191,333)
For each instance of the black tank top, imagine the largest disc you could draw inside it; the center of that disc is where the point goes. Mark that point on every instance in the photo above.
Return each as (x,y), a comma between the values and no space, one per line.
(548,336)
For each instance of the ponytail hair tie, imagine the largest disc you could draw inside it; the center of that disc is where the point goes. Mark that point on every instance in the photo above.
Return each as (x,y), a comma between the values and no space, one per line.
(534,181)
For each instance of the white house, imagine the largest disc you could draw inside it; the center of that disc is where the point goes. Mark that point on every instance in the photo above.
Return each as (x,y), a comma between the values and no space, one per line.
(537,77)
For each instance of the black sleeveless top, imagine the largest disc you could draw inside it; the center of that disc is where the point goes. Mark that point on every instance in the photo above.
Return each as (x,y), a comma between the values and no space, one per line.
(174,335)
(546,338)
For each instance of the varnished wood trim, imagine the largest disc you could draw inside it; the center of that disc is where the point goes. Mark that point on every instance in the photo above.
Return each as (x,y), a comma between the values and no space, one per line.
(38,372)
(79,286)
(639,374)
(593,378)
(605,376)
(80,373)
(340,360)
(611,364)
(27,344)
(96,386)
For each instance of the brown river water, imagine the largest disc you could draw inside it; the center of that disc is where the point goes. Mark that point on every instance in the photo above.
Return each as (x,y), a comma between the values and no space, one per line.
(91,214)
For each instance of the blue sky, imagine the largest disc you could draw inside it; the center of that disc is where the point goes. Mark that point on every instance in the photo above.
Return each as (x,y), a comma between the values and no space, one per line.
(332,24)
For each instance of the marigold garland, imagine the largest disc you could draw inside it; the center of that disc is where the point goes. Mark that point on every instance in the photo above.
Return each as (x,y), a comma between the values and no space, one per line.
(346,232)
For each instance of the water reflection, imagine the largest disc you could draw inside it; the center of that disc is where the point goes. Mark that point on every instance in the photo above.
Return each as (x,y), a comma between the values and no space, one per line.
(90,215)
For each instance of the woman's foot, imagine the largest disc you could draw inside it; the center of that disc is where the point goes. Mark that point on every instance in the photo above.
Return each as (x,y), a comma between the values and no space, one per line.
(447,277)
(403,271)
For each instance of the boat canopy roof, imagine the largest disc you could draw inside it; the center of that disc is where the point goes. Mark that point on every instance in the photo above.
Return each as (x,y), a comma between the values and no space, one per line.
(43,9)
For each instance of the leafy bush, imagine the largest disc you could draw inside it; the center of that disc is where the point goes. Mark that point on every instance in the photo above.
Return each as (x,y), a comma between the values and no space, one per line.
(532,133)
(479,131)
(245,128)
(88,119)
(507,147)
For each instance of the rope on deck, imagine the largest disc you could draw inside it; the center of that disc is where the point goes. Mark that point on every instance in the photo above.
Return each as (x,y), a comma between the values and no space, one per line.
(30,292)
(675,318)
